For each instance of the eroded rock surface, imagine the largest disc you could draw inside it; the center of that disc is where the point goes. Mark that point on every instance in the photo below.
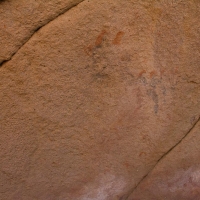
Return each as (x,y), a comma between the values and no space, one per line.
(177,176)
(100,101)
(20,19)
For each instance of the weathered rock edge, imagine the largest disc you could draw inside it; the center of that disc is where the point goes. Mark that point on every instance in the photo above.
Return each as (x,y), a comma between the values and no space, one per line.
(163,157)
(38,28)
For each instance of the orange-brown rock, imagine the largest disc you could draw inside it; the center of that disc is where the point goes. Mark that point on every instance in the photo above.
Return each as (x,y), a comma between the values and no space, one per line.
(20,19)
(177,175)
(100,101)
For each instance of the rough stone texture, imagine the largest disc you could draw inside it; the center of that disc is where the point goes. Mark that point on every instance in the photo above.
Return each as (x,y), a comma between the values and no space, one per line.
(20,19)
(101,103)
(177,176)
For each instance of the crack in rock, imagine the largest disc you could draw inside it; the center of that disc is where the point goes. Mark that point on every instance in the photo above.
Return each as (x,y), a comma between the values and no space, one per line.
(162,157)
(38,28)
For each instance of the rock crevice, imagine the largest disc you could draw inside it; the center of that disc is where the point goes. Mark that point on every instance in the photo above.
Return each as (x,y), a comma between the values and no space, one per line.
(163,157)
(39,27)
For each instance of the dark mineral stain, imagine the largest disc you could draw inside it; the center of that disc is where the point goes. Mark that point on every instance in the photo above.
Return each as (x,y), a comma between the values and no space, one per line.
(153,73)
(142,154)
(88,50)
(99,39)
(141,73)
(118,38)
(154,97)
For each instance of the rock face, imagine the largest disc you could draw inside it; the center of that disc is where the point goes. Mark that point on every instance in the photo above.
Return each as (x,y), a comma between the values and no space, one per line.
(177,176)
(100,100)
(20,19)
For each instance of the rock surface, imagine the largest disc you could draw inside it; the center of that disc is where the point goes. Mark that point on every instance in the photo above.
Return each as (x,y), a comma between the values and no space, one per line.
(100,101)
(20,19)
(177,176)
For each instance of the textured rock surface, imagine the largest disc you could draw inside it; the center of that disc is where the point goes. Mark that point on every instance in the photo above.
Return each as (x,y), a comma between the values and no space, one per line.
(101,103)
(20,19)
(177,176)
